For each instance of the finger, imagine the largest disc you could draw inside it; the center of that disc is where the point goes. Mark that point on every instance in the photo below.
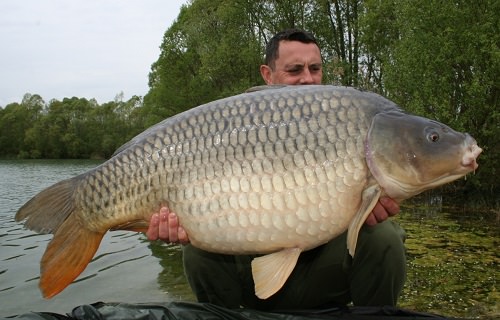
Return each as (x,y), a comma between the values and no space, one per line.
(379,212)
(391,207)
(173,225)
(371,220)
(163,230)
(152,232)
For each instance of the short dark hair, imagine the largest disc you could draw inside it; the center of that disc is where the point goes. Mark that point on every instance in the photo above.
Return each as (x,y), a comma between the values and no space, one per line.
(289,35)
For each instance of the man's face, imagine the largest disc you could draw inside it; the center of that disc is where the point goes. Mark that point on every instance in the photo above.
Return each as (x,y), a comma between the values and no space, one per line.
(297,63)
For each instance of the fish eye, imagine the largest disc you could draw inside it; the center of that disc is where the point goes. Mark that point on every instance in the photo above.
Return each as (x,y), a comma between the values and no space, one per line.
(433,137)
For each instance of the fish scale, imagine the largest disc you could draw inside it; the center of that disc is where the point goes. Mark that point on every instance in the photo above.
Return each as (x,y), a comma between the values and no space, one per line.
(273,172)
(268,136)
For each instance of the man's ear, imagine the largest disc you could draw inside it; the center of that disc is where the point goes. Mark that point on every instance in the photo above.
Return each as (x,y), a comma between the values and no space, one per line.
(265,72)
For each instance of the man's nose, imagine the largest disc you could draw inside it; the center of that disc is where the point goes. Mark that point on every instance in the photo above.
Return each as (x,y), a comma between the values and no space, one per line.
(306,77)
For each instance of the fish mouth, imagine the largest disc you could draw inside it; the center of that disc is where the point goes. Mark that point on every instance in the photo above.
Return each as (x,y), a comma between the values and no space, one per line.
(469,159)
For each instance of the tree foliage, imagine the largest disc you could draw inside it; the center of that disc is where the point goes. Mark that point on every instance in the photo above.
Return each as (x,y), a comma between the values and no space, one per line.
(439,59)
(71,128)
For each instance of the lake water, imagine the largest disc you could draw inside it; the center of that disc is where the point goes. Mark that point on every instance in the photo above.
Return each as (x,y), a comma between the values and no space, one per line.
(452,263)
(126,268)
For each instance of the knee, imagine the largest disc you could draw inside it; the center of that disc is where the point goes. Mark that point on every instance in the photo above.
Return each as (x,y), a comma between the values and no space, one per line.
(383,243)
(382,236)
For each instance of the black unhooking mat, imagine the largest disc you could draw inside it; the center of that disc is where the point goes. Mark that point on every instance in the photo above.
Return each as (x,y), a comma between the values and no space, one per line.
(205,311)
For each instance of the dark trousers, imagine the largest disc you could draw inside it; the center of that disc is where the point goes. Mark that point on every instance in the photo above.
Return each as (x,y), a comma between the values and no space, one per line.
(323,276)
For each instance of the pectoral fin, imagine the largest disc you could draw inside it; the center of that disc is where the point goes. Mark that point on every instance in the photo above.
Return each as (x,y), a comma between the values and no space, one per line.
(369,199)
(271,271)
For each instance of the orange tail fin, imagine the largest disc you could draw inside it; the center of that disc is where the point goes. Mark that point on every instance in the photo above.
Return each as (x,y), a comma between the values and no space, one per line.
(67,255)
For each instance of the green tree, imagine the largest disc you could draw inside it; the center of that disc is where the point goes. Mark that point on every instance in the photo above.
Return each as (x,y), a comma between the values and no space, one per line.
(336,24)
(378,34)
(13,123)
(216,54)
(15,120)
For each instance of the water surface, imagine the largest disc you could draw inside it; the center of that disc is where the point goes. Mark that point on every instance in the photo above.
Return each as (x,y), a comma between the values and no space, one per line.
(123,269)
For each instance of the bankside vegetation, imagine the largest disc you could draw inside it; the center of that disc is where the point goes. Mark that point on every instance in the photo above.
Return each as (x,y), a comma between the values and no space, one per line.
(439,59)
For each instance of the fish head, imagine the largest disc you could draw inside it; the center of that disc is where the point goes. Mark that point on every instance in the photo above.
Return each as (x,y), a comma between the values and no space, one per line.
(409,154)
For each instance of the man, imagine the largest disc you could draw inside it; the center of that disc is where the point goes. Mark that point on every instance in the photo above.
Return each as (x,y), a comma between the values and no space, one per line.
(323,276)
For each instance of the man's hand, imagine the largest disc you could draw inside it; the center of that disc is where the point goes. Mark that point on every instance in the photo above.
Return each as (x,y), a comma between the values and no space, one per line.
(385,208)
(165,226)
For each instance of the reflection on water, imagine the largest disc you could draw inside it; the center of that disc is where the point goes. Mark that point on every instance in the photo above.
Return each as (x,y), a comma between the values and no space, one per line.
(172,279)
(452,263)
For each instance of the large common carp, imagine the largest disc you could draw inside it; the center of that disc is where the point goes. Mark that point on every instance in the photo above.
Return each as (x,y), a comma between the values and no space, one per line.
(275,171)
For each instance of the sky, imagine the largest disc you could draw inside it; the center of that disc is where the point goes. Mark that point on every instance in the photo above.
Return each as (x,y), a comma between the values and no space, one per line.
(80,48)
